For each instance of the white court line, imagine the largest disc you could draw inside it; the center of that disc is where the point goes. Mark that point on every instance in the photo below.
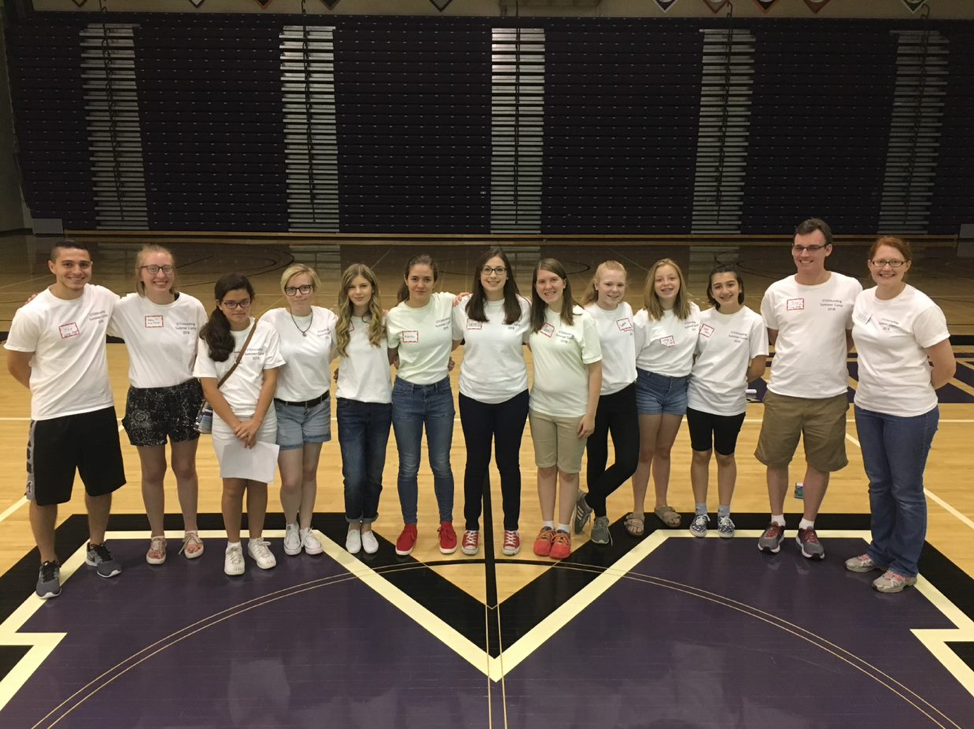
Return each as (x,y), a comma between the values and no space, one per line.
(10,510)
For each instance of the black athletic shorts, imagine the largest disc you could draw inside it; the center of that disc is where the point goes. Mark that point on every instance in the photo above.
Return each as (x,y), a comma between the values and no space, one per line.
(87,442)
(153,414)
(716,432)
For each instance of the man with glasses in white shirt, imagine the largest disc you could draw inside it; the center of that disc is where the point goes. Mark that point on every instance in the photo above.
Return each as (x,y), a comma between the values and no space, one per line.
(809,320)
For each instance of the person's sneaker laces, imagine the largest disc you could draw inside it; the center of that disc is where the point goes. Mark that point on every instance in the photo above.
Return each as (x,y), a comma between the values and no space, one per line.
(292,540)
(772,538)
(698,527)
(192,545)
(891,582)
(725,527)
(102,560)
(49,580)
(260,551)
(157,551)
(512,542)
(407,540)
(310,542)
(542,545)
(583,512)
(600,531)
(471,542)
(561,545)
(448,538)
(233,562)
(807,539)
(861,563)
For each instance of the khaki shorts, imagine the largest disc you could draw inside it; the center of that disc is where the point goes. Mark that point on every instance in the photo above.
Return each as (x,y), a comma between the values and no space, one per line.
(820,422)
(556,442)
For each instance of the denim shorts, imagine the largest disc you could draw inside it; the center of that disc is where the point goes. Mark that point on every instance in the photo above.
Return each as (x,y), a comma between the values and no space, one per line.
(660,395)
(297,424)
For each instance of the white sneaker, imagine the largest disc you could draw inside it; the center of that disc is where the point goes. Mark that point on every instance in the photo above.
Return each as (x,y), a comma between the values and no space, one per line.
(310,543)
(292,540)
(233,563)
(369,543)
(353,541)
(259,550)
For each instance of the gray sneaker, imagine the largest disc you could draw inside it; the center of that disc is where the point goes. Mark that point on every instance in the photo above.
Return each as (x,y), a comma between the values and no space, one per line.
(582,512)
(600,531)
(698,527)
(772,538)
(49,580)
(807,539)
(725,527)
(862,563)
(890,582)
(102,560)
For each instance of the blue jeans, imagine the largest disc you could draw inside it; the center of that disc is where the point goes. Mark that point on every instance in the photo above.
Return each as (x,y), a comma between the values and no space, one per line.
(414,406)
(363,433)
(894,454)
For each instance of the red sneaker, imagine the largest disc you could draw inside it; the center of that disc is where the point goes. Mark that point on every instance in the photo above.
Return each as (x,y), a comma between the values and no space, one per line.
(448,538)
(512,543)
(542,545)
(561,545)
(407,540)
(471,542)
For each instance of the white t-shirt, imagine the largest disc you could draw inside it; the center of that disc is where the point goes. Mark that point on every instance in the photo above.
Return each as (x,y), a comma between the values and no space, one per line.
(725,347)
(561,355)
(493,369)
(364,373)
(161,338)
(890,337)
(69,369)
(618,341)
(424,337)
(811,350)
(665,346)
(307,374)
(242,388)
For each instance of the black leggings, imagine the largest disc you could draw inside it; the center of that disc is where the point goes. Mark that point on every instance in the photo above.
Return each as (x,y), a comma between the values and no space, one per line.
(616,415)
(502,424)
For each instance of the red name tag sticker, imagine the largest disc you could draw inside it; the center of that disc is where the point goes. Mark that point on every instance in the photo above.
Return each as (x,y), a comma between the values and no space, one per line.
(153,321)
(69,330)
(471,324)
(667,341)
(410,337)
(706,330)
(548,330)
(795,305)
(624,324)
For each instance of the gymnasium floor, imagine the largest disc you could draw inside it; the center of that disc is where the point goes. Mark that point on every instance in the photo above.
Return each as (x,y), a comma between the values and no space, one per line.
(666,631)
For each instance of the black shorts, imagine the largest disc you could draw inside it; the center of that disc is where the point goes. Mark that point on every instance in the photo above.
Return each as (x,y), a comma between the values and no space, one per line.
(87,442)
(717,432)
(153,414)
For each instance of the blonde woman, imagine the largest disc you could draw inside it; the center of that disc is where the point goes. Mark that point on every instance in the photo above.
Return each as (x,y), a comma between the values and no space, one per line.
(160,326)
(605,301)
(364,402)
(302,401)
(666,335)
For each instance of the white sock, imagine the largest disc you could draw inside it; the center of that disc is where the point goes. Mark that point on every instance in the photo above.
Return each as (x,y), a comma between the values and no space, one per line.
(778,519)
(232,544)
(565,528)
(806,524)
(548,525)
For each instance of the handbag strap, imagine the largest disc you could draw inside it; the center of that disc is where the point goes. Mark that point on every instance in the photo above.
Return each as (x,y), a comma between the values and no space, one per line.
(239,356)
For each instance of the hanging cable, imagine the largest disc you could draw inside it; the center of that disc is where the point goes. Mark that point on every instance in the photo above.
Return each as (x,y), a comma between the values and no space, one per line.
(107,62)
(308,131)
(517,110)
(725,111)
(917,109)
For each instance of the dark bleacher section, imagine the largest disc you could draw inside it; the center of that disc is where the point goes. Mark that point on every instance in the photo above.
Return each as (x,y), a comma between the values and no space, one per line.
(953,199)
(413,108)
(212,129)
(819,125)
(44,65)
(621,106)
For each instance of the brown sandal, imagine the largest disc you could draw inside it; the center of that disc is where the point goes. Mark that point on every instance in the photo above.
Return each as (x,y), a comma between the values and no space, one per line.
(635,525)
(668,515)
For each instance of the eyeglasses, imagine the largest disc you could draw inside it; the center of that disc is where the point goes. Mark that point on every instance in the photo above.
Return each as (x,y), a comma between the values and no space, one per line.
(242,304)
(304,289)
(154,269)
(499,270)
(810,249)
(884,264)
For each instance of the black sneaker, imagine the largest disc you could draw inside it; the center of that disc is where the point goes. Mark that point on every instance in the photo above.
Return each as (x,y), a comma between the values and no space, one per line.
(102,560)
(49,580)
(583,512)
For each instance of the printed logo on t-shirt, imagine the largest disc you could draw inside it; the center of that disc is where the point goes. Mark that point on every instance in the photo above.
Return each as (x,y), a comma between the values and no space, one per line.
(831,304)
(624,324)
(668,341)
(153,321)
(706,330)
(566,335)
(795,305)
(69,330)
(98,315)
(443,323)
(547,330)
(410,337)
(475,325)
(184,327)
(886,324)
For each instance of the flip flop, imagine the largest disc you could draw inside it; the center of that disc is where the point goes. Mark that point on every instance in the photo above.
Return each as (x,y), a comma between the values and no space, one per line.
(668,515)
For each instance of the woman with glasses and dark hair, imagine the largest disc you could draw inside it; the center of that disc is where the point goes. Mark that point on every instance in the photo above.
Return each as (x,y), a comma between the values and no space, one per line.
(731,350)
(904,357)
(302,401)
(243,407)
(493,323)
(567,358)
(420,332)
(160,326)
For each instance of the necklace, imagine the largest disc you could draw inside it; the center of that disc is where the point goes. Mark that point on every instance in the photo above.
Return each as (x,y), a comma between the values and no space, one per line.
(304,332)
